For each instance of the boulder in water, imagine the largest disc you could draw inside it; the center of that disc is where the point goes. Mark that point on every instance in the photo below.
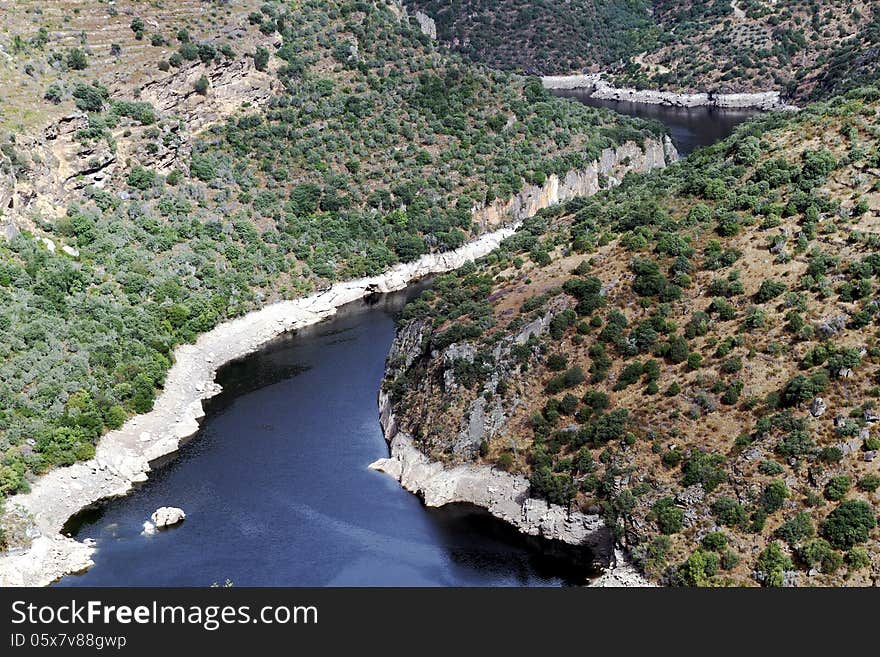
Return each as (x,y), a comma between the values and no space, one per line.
(167,516)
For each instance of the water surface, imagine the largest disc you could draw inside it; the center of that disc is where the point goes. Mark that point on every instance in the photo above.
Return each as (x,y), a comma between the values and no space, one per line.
(278,493)
(689,127)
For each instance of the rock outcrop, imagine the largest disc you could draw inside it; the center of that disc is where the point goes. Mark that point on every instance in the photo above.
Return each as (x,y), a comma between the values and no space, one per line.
(504,495)
(166,516)
(602,89)
(426,24)
(231,84)
(585,182)
(621,573)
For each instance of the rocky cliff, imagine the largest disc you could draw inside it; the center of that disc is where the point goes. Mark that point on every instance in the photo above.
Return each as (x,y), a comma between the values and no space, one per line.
(504,495)
(602,89)
(612,165)
(459,478)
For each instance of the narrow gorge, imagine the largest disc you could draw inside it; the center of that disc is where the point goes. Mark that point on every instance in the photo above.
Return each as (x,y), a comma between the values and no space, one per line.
(123,456)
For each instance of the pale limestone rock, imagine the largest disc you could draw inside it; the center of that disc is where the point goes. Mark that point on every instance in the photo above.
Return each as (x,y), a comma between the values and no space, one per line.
(504,495)
(166,516)
(602,89)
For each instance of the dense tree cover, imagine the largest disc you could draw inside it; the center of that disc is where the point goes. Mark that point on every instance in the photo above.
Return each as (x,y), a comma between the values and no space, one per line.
(807,50)
(672,387)
(543,37)
(374,151)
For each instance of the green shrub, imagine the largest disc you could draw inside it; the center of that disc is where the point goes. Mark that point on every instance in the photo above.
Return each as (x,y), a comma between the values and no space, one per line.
(90,97)
(729,512)
(769,290)
(261,58)
(869,483)
(857,558)
(704,468)
(796,529)
(773,563)
(698,569)
(818,553)
(668,516)
(849,524)
(773,496)
(714,541)
(141,178)
(201,85)
(77,59)
(837,487)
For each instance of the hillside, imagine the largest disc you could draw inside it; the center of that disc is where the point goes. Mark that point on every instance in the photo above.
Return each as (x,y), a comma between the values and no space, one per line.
(166,166)
(692,354)
(806,50)
(543,37)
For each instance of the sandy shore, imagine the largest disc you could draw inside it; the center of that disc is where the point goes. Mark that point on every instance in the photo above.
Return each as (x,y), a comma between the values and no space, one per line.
(602,89)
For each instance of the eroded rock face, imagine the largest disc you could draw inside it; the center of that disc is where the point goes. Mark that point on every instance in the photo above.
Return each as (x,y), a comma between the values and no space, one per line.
(504,495)
(602,89)
(612,164)
(230,84)
(167,515)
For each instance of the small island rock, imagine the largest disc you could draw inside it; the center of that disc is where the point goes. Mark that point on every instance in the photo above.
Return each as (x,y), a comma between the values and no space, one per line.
(167,516)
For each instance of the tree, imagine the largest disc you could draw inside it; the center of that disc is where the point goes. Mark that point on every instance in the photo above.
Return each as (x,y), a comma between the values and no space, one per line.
(849,524)
(772,564)
(837,487)
(54,93)
(769,290)
(704,468)
(261,58)
(201,85)
(796,529)
(141,178)
(729,512)
(203,167)
(77,59)
(669,517)
(90,97)
(773,496)
(698,569)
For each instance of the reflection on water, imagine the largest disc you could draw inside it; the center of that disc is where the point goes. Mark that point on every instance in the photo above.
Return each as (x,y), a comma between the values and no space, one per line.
(277,491)
(689,127)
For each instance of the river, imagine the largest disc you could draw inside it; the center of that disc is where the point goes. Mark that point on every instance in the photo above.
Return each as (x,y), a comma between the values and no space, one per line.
(278,493)
(689,127)
(276,485)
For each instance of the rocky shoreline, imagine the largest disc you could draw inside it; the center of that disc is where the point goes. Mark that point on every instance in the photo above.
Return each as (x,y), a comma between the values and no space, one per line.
(41,554)
(504,495)
(602,89)
(507,496)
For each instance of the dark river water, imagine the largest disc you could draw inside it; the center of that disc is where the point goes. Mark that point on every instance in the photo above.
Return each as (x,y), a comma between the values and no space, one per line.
(277,491)
(689,127)
(276,485)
